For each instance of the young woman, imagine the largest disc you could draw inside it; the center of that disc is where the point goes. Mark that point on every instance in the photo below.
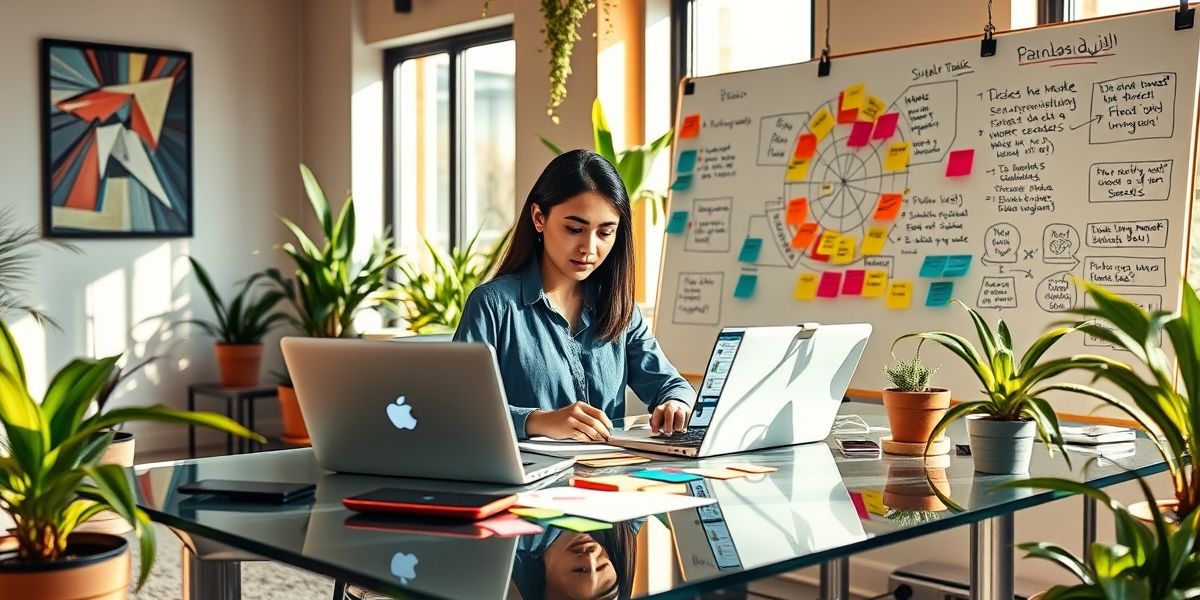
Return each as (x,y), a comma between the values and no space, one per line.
(560,312)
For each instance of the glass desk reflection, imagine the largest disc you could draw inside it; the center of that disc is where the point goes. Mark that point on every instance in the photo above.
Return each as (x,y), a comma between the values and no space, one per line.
(818,508)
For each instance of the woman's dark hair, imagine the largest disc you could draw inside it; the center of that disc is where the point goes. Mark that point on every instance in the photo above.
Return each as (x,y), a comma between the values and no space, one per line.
(620,543)
(568,175)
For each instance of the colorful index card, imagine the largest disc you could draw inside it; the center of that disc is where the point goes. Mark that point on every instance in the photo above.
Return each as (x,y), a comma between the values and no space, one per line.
(874,241)
(538,514)
(871,109)
(852,282)
(510,526)
(666,476)
(899,294)
(897,157)
(853,96)
(804,236)
(960,163)
(798,170)
(873,501)
(797,211)
(957,265)
(806,286)
(580,524)
(860,134)
(889,207)
(611,483)
(875,285)
(831,284)
(745,288)
(678,222)
(828,243)
(690,127)
(845,115)
(806,146)
(687,162)
(821,123)
(682,182)
(751,248)
(885,126)
(940,293)
(844,253)
(933,266)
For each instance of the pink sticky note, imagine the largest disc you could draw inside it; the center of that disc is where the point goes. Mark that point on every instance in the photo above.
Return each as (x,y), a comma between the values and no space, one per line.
(859,506)
(885,126)
(852,283)
(509,526)
(831,284)
(960,163)
(860,134)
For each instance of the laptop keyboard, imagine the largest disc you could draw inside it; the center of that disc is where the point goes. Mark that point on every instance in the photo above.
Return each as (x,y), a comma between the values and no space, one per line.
(691,437)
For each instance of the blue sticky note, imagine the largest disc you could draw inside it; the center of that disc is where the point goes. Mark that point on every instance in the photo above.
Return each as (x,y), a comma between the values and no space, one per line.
(682,182)
(745,286)
(667,476)
(957,265)
(678,222)
(940,293)
(687,162)
(750,250)
(933,266)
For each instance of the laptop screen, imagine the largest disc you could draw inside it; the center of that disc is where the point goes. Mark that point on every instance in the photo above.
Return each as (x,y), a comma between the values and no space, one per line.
(719,363)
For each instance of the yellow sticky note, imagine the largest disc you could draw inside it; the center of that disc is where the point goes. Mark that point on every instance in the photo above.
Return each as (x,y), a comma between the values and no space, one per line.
(875,240)
(871,109)
(798,170)
(806,286)
(897,157)
(853,96)
(828,243)
(875,284)
(844,252)
(899,294)
(873,501)
(826,188)
(821,123)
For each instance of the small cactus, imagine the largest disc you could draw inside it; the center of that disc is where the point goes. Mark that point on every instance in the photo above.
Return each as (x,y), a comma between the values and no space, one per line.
(909,375)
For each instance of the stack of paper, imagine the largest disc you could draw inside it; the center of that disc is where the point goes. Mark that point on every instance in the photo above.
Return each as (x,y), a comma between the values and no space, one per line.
(610,507)
(1097,434)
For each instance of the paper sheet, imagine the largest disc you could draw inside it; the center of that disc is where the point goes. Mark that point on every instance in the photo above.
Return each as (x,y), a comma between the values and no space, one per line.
(608,506)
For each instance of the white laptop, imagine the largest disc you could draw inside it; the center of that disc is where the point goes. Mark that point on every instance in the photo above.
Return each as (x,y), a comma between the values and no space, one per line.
(764,387)
(434,410)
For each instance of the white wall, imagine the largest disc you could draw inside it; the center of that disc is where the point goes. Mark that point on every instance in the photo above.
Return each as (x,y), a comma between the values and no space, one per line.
(118,295)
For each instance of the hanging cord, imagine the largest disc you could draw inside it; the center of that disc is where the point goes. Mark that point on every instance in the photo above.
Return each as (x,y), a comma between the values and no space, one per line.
(988,46)
(823,67)
(990,29)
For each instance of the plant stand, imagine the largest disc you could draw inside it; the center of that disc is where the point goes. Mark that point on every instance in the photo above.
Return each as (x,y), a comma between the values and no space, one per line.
(243,397)
(940,446)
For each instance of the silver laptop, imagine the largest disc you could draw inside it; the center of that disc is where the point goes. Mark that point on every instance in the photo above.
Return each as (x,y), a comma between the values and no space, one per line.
(764,387)
(435,410)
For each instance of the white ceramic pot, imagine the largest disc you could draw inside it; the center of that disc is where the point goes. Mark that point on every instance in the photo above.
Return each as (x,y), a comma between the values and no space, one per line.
(1001,447)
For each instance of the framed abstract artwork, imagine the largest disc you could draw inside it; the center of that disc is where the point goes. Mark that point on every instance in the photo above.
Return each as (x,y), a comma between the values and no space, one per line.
(116,141)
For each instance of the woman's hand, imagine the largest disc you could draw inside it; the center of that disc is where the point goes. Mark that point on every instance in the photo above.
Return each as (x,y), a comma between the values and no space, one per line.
(580,421)
(670,417)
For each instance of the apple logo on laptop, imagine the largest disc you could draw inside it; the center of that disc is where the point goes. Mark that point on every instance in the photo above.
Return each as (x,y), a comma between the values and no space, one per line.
(404,566)
(401,414)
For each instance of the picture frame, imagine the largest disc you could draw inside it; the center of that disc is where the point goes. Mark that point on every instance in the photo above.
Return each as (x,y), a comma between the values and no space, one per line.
(117,141)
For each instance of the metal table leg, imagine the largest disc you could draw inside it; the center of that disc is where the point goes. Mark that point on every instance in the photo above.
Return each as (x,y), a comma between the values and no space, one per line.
(835,579)
(992,558)
(210,579)
(1089,527)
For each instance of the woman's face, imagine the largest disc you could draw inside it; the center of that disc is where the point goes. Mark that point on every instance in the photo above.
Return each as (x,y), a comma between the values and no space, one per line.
(577,234)
(577,567)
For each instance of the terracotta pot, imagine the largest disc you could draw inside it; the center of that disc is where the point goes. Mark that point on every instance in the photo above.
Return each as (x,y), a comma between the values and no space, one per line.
(913,415)
(98,569)
(1141,512)
(911,487)
(294,430)
(120,453)
(239,364)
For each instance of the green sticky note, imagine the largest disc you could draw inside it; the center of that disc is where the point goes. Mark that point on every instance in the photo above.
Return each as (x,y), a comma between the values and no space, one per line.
(751,248)
(957,265)
(745,286)
(580,524)
(678,222)
(682,182)
(940,293)
(687,162)
(933,266)
(536,513)
(667,476)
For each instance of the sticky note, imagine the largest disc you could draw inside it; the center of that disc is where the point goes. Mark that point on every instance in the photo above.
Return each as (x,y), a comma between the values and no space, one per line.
(745,286)
(828,244)
(717,473)
(857,500)
(806,286)
(899,294)
(510,526)
(806,146)
(690,127)
(831,284)
(798,170)
(885,126)
(536,513)
(940,293)
(860,134)
(871,109)
(874,241)
(826,188)
(580,524)
(611,483)
(751,248)
(960,163)
(852,282)
(853,96)
(797,211)
(666,476)
(957,265)
(896,158)
(687,162)
(749,468)
(873,501)
(889,207)
(804,235)
(933,266)
(682,182)
(845,115)
(821,123)
(678,222)
(844,252)
(875,285)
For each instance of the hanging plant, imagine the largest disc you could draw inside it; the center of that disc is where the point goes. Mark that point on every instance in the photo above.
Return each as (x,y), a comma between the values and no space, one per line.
(562,19)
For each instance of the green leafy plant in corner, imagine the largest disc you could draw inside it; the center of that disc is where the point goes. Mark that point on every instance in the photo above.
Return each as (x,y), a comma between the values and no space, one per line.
(50,478)
(433,301)
(633,164)
(246,319)
(909,375)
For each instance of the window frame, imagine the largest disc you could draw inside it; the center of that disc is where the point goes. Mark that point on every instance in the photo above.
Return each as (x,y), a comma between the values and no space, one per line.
(454,46)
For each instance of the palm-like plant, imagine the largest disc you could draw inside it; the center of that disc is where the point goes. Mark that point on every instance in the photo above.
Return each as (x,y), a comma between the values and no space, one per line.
(16,265)
(244,320)
(50,478)
(434,300)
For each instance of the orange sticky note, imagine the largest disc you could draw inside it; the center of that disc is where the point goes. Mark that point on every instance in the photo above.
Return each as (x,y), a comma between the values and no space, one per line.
(798,170)
(889,207)
(821,123)
(844,252)
(875,284)
(690,127)
(806,146)
(871,109)
(899,294)
(804,235)
(896,158)
(853,96)
(829,241)
(845,115)
(612,483)
(797,211)
(806,286)
(874,241)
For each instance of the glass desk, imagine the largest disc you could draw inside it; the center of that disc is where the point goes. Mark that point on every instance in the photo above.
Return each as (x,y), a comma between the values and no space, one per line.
(818,508)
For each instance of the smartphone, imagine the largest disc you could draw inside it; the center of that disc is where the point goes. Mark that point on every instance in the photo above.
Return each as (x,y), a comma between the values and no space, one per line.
(249,491)
(440,504)
(857,447)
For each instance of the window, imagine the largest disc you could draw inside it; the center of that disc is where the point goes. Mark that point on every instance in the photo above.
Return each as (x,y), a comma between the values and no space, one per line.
(451,140)
(1074,10)
(718,36)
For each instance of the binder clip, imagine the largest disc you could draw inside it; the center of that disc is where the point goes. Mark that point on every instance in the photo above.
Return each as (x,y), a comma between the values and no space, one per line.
(1184,17)
(987,46)
(823,66)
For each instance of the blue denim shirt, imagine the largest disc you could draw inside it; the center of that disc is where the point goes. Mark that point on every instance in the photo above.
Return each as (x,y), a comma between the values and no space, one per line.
(545,367)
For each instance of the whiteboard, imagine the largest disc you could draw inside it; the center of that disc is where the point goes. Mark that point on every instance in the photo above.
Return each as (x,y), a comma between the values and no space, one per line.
(1082,138)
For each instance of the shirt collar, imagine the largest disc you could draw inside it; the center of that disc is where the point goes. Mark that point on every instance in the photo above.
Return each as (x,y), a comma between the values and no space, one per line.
(532,289)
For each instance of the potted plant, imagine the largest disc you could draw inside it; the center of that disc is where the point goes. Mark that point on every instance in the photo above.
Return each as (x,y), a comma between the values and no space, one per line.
(1002,425)
(238,328)
(913,407)
(16,265)
(433,301)
(330,286)
(51,481)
